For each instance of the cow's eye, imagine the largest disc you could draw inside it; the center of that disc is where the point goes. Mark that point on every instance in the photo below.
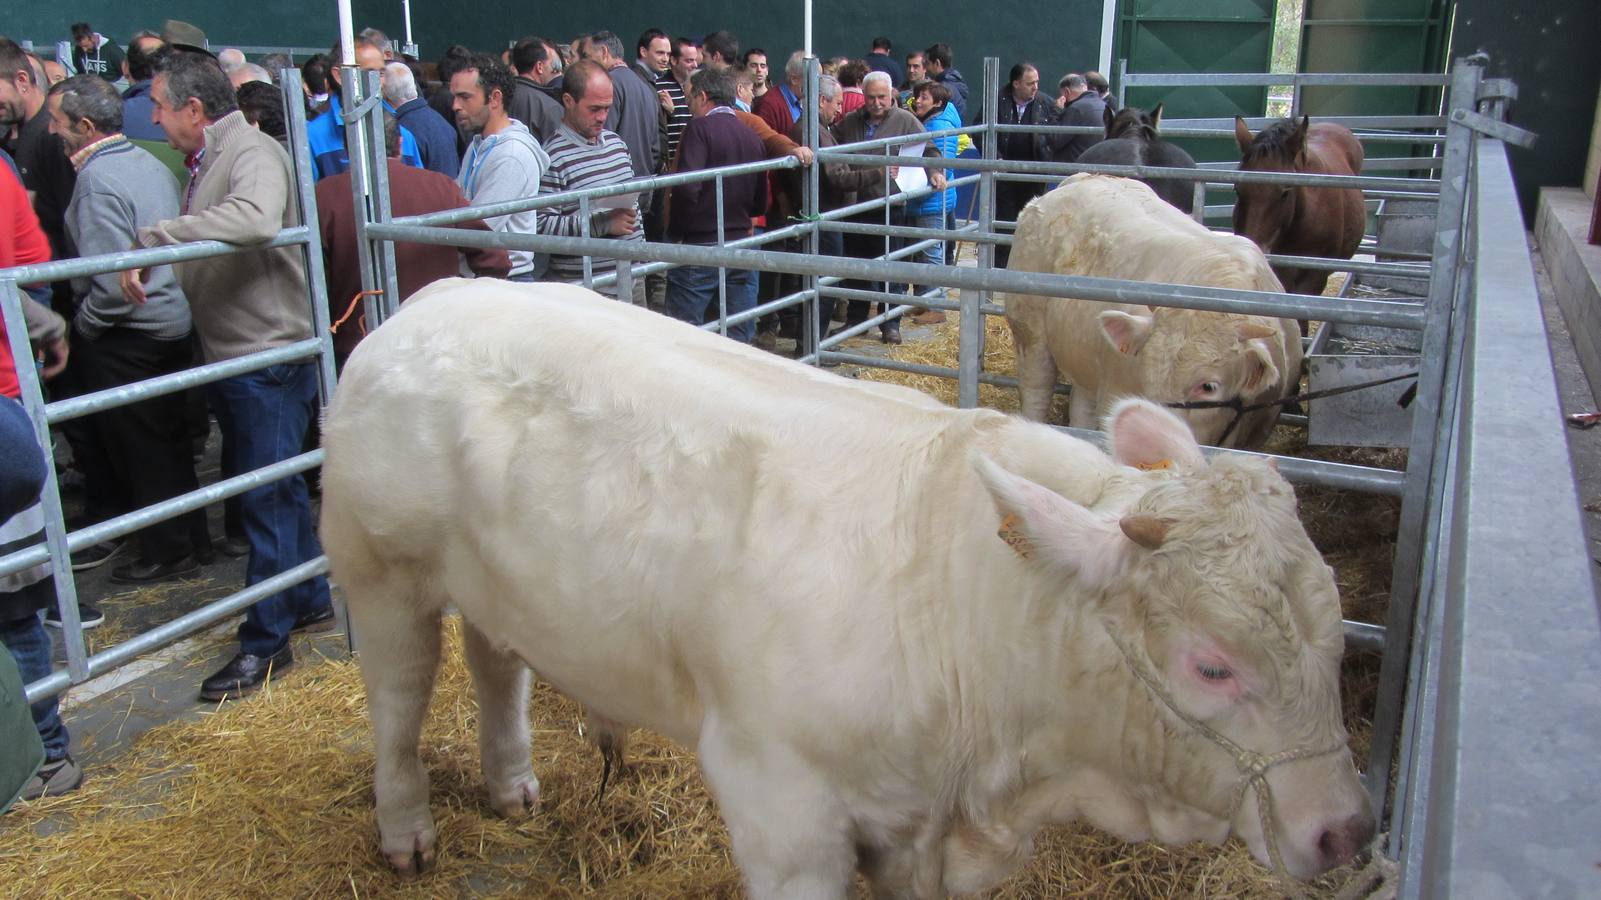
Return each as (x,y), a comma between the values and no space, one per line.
(1285,194)
(1211,387)
(1213,673)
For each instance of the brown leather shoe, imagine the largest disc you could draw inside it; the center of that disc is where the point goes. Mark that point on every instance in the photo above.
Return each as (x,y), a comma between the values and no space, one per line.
(244,674)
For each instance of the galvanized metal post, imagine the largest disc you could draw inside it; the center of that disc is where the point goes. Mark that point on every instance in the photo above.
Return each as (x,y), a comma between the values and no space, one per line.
(360,175)
(722,272)
(305,186)
(383,252)
(55,521)
(970,334)
(1431,426)
(813,322)
(583,226)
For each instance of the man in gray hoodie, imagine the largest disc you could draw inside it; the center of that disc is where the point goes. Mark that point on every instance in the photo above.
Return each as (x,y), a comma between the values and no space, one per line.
(132,456)
(504,161)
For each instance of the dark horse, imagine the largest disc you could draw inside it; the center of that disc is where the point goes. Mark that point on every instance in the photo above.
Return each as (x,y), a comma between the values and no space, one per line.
(1300,221)
(1131,140)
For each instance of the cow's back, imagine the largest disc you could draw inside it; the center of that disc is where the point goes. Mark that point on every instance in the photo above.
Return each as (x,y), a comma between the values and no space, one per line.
(1109,227)
(630,502)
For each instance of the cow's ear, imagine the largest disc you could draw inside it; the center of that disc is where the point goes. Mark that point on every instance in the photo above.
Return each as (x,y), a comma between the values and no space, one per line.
(1156,116)
(1146,436)
(1048,529)
(1296,145)
(1242,134)
(1126,332)
(1260,372)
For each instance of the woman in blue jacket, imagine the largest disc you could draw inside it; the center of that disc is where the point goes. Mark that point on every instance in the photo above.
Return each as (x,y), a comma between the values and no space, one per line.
(931,102)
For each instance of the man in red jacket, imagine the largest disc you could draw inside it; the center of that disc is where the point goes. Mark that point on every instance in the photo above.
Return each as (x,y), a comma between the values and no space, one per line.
(412,192)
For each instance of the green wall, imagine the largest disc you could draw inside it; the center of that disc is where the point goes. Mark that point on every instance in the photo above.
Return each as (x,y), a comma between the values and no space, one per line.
(1057,36)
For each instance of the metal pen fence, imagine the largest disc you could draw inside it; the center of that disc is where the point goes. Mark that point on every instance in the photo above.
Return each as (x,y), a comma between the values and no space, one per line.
(1443,319)
(59,544)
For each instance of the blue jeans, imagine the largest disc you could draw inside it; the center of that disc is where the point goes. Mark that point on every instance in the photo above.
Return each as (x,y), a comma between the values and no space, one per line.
(265,415)
(692,297)
(29,644)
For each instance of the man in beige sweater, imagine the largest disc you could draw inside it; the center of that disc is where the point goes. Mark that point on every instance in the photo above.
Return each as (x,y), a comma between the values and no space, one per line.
(242,304)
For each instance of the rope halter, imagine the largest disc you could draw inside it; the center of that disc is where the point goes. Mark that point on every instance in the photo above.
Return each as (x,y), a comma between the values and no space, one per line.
(1253,766)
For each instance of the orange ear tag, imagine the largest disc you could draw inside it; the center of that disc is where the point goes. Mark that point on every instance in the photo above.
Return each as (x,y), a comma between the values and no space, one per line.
(1014,538)
(1154,466)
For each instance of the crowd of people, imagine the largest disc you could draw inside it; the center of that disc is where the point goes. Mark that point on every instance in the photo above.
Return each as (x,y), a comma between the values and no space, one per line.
(165,142)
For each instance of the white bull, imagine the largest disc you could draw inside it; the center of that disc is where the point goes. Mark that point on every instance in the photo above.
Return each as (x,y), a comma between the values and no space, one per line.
(1118,228)
(681,533)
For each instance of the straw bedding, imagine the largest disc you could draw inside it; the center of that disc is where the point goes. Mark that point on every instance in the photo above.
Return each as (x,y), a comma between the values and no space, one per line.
(273,796)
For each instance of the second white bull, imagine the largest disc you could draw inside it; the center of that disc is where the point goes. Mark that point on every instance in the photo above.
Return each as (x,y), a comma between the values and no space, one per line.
(1118,228)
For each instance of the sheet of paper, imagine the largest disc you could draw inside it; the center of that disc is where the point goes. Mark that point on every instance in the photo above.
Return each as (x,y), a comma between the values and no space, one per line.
(910,178)
(618,201)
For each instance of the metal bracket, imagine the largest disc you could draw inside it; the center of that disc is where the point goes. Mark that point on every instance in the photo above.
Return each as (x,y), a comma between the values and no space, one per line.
(1489,127)
(365,106)
(1497,89)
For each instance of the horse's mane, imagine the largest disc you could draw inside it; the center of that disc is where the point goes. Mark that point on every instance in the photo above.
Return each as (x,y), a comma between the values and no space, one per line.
(1272,143)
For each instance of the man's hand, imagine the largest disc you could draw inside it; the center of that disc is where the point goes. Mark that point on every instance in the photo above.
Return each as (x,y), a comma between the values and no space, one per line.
(54,357)
(666,101)
(937,179)
(620,222)
(133,285)
(804,154)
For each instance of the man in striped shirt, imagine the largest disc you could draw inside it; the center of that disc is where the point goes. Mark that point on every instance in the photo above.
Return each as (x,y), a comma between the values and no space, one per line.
(685,60)
(583,154)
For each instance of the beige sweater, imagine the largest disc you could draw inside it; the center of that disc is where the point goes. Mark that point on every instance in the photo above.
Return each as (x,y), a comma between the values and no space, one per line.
(243,302)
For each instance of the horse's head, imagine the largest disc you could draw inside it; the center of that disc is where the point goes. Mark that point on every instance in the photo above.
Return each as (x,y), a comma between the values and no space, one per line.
(1264,212)
(1133,123)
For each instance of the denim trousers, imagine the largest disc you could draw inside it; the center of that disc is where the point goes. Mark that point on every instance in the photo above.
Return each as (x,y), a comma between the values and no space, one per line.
(692,297)
(264,416)
(29,644)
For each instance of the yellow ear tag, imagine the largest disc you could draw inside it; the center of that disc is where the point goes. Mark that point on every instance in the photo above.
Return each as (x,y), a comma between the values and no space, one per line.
(1014,538)
(1154,466)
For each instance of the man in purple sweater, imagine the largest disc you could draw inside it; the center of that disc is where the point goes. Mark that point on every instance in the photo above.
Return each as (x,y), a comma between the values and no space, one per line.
(715,137)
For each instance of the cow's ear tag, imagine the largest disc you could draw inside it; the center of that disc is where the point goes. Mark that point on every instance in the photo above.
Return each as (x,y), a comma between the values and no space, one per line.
(1154,466)
(1014,538)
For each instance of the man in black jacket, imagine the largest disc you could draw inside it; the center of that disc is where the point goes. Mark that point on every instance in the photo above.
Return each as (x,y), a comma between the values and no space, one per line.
(1021,104)
(1078,105)
(534,102)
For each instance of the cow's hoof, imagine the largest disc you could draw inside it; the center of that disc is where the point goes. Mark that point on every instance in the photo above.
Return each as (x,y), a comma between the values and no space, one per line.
(411,856)
(518,800)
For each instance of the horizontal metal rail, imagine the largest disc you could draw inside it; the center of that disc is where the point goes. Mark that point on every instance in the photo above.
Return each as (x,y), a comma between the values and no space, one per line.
(62,270)
(967,232)
(179,628)
(175,506)
(538,201)
(913,138)
(1297,79)
(122,395)
(1426,186)
(1220,133)
(1330,309)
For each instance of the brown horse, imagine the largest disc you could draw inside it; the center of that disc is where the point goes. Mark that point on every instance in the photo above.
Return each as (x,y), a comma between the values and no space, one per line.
(1300,221)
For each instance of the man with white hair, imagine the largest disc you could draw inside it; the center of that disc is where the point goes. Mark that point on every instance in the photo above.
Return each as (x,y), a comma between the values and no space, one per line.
(879,117)
(436,138)
(230,58)
(243,75)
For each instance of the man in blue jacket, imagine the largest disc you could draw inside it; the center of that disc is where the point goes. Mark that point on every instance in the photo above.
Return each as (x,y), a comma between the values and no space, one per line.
(326,133)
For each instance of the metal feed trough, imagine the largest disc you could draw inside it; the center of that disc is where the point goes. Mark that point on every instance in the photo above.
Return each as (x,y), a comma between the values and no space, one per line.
(1454,721)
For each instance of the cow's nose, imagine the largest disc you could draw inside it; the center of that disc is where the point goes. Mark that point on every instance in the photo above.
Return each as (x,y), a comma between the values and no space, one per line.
(1338,844)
